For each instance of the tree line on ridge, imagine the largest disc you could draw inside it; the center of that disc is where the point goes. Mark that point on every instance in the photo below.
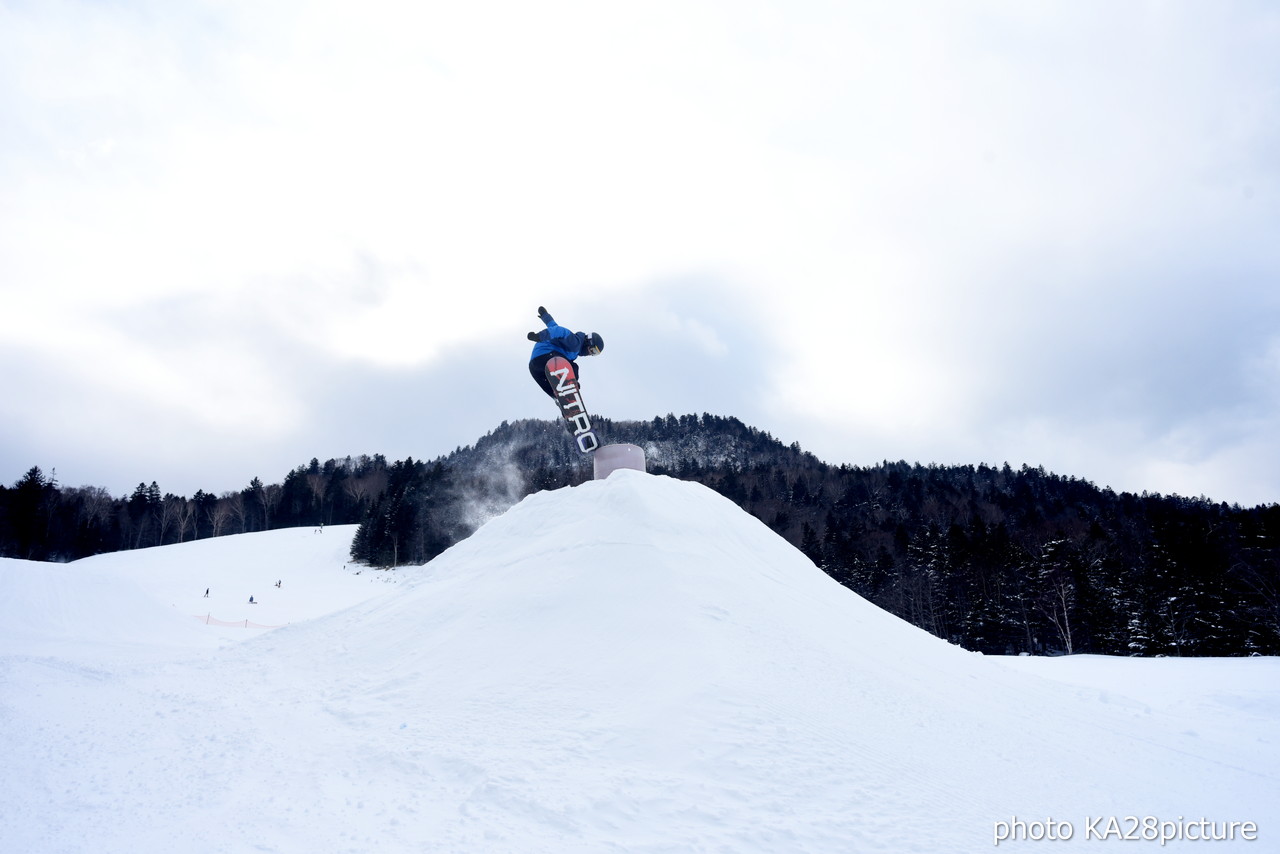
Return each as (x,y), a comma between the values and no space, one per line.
(993,558)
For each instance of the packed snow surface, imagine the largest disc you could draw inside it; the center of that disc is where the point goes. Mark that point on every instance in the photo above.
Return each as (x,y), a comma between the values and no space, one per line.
(631,665)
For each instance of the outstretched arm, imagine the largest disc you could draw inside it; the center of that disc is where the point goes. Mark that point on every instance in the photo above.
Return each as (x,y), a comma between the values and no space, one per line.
(544,335)
(559,337)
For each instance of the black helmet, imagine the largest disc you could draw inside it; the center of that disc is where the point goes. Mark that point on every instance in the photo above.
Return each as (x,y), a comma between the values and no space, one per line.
(593,344)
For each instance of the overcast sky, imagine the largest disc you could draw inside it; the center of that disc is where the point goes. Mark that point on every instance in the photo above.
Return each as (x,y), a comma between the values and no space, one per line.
(237,235)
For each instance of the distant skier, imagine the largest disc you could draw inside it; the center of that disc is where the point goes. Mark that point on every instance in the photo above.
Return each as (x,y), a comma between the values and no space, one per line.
(554,341)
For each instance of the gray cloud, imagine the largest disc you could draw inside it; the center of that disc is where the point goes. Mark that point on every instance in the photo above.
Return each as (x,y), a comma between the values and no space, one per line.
(241,236)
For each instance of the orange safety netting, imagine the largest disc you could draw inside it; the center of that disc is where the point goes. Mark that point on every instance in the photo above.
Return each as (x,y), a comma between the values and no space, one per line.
(210,620)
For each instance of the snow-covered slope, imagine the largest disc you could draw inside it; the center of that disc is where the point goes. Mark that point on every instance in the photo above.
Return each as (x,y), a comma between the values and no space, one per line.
(630,665)
(112,604)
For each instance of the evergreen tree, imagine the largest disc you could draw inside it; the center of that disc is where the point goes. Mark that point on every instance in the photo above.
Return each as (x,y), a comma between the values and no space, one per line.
(993,558)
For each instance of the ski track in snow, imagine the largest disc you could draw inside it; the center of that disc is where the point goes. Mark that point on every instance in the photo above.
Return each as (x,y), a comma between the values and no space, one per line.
(632,665)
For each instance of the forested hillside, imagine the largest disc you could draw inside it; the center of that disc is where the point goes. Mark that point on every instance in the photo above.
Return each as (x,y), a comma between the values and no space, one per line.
(996,559)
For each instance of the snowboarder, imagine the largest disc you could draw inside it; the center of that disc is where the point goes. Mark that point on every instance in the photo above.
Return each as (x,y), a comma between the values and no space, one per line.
(554,341)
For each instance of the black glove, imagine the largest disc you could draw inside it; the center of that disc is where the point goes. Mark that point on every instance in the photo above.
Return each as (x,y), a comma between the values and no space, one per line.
(532,336)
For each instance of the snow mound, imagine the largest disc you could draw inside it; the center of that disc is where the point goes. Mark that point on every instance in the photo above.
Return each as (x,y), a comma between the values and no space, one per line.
(634,664)
(47,608)
(123,603)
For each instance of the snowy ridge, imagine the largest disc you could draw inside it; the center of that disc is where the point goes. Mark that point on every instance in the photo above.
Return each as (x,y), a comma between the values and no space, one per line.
(629,665)
(151,597)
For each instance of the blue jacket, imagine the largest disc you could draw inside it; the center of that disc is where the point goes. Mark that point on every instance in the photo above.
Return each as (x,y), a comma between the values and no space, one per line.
(558,340)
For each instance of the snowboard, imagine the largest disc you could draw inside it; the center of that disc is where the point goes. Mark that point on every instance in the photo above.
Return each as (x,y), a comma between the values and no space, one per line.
(562,379)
